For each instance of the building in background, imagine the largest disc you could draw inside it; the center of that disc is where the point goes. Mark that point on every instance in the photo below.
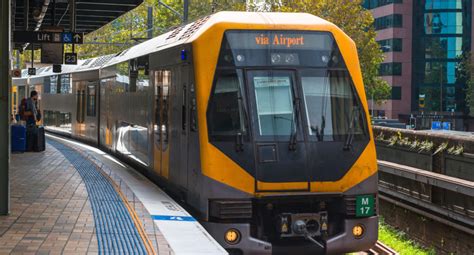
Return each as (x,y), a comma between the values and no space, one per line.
(423,42)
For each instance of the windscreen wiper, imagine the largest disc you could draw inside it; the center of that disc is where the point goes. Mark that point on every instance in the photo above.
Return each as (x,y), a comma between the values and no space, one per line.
(320,131)
(294,123)
(350,135)
(239,137)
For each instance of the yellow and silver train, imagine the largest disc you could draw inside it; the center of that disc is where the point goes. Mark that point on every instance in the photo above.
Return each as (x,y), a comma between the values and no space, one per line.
(257,121)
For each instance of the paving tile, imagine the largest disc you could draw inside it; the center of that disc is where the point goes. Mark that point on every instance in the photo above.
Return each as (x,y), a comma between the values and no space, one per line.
(51,212)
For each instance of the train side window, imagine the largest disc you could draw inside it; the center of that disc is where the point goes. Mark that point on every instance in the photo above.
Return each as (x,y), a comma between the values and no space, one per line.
(165,115)
(47,85)
(66,87)
(91,103)
(143,81)
(225,114)
(122,81)
(162,85)
(53,89)
(80,100)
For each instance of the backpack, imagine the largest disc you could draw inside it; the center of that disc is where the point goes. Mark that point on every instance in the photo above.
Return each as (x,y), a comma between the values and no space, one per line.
(22,109)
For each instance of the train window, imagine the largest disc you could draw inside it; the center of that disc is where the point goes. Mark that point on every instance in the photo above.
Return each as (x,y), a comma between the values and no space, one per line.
(66,87)
(91,103)
(80,100)
(274,103)
(226,113)
(122,81)
(331,105)
(47,85)
(53,89)
(143,82)
(162,85)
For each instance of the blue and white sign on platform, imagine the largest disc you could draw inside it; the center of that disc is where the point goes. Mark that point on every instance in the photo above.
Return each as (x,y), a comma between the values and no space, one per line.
(67,37)
(436,125)
(173,218)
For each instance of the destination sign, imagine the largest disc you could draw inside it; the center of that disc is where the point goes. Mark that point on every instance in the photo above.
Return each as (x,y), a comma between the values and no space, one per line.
(47,37)
(280,40)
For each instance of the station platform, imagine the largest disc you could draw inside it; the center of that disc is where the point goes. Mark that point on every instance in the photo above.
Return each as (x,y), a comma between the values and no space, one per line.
(76,199)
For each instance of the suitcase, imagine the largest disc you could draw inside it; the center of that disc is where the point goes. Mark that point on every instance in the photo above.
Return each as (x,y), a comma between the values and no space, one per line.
(35,139)
(18,138)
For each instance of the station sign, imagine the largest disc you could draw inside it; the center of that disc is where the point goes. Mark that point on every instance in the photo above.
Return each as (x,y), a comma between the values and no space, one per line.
(57,68)
(31,71)
(70,58)
(16,73)
(47,37)
(52,53)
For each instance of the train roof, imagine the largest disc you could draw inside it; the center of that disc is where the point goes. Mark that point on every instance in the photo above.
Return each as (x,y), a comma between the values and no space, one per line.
(190,32)
(187,34)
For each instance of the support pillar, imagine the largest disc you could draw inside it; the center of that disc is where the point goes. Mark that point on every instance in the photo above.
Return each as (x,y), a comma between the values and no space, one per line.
(5,80)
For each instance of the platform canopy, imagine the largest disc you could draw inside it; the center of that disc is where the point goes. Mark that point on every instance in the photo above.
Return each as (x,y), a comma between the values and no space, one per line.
(90,14)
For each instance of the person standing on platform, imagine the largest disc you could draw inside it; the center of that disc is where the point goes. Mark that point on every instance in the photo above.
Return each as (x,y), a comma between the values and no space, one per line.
(31,113)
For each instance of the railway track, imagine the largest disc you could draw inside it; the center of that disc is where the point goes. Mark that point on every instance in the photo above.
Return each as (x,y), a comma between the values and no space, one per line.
(381,249)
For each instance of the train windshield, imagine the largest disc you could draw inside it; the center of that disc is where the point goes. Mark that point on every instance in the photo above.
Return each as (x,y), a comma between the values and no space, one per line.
(295,82)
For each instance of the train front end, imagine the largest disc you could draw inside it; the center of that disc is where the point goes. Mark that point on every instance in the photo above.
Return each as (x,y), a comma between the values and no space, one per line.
(285,141)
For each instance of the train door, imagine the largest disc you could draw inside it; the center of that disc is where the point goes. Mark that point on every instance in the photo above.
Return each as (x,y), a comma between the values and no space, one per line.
(162,82)
(91,110)
(280,159)
(80,109)
(105,125)
(180,154)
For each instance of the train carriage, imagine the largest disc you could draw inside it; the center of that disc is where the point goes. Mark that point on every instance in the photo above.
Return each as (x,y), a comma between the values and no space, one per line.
(257,121)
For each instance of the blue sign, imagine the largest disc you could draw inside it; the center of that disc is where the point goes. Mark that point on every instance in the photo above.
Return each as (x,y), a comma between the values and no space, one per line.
(172,218)
(446,125)
(66,37)
(436,125)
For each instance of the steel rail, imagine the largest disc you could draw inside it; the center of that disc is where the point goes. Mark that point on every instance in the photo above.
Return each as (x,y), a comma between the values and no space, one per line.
(381,249)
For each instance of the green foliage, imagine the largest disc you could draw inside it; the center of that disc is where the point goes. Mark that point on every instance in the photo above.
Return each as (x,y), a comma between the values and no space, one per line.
(441,148)
(456,149)
(131,28)
(464,74)
(420,146)
(399,241)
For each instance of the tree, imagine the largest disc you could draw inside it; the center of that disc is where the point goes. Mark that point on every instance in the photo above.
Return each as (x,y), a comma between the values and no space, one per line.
(131,28)
(464,73)
(355,21)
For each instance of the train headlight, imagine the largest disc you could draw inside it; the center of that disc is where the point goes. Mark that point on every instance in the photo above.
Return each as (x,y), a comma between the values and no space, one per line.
(240,58)
(358,231)
(232,236)
(325,58)
(276,58)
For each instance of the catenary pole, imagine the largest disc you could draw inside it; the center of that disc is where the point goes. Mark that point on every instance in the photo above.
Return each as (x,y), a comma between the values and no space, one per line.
(185,11)
(5,80)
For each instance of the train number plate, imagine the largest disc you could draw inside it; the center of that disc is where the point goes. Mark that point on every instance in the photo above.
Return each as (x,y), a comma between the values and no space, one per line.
(365,205)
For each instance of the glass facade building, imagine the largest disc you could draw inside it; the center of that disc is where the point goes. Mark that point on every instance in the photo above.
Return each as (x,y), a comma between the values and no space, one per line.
(423,42)
(441,35)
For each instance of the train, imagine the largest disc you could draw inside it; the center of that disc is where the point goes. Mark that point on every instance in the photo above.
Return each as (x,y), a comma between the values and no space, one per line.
(257,122)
